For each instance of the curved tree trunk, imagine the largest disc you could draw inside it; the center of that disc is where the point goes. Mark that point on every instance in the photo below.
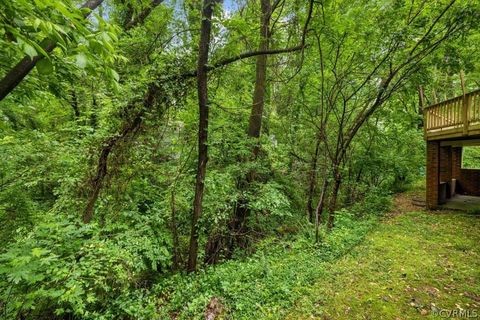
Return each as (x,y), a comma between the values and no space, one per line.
(102,166)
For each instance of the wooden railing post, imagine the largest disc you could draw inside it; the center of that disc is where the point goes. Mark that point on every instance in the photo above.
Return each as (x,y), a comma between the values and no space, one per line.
(465,104)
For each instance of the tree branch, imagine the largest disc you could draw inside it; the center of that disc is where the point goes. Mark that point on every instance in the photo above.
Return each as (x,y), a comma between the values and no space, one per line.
(13,78)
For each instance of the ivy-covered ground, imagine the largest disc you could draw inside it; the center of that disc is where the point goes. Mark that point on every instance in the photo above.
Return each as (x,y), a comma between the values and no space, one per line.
(407,265)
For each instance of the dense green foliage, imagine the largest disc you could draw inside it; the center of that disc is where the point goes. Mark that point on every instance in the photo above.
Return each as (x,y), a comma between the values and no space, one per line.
(471,158)
(99,278)
(114,108)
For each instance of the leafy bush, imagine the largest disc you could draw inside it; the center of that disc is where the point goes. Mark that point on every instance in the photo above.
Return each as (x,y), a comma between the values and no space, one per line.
(63,268)
(376,202)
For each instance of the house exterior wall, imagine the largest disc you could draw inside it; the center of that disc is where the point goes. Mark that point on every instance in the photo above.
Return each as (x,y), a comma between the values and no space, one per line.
(445,165)
(470,181)
(456,162)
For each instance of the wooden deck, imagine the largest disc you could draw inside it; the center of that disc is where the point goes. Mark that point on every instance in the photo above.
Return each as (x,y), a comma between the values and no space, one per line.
(454,118)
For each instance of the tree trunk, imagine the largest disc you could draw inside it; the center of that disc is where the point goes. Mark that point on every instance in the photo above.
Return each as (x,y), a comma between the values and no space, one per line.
(238,225)
(213,248)
(319,208)
(93,115)
(313,181)
(20,71)
(175,240)
(74,103)
(333,199)
(255,122)
(102,167)
(202,88)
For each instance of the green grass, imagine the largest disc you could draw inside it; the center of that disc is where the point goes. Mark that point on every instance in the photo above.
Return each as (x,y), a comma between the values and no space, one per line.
(404,267)
(407,268)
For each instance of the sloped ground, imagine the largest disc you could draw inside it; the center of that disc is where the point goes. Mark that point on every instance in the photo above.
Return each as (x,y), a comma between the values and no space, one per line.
(415,265)
(409,264)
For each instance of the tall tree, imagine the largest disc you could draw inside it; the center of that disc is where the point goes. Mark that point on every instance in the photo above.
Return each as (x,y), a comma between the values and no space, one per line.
(238,225)
(353,101)
(256,114)
(203,109)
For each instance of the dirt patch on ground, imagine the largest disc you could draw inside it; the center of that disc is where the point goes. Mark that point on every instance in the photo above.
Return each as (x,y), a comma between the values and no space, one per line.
(408,202)
(214,310)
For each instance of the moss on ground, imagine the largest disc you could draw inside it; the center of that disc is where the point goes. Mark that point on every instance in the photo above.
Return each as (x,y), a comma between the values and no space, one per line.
(411,266)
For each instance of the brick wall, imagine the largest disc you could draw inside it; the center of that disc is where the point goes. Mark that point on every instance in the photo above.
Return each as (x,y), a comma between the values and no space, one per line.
(456,162)
(445,165)
(433,157)
(470,181)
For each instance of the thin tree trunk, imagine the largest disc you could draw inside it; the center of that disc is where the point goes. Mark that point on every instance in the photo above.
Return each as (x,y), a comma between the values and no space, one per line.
(74,104)
(255,122)
(319,208)
(333,199)
(102,167)
(21,69)
(173,227)
(214,247)
(202,88)
(93,114)
(312,182)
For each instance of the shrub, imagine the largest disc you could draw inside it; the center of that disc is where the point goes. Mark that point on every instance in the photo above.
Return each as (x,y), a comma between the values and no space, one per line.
(63,268)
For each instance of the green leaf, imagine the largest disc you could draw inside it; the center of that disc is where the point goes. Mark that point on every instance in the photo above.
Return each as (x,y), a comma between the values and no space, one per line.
(39,47)
(36,23)
(113,74)
(29,50)
(81,60)
(44,66)
(37,252)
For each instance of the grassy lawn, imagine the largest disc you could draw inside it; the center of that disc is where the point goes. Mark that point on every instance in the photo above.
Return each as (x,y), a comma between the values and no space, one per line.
(409,267)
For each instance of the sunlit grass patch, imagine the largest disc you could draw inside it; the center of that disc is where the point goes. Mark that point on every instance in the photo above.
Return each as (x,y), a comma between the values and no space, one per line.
(410,268)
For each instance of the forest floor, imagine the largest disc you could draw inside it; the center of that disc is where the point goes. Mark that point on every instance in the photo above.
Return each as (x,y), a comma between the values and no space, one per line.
(414,265)
(408,264)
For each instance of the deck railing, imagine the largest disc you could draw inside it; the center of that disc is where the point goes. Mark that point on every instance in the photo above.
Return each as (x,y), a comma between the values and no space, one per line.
(452,118)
